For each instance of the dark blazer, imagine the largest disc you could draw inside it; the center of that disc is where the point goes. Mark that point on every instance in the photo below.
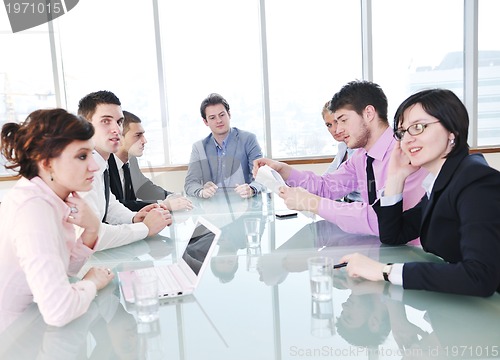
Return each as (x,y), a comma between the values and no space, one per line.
(144,188)
(460,222)
(116,188)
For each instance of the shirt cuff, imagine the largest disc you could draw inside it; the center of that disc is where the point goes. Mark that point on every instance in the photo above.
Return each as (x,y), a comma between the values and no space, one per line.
(396,275)
(390,200)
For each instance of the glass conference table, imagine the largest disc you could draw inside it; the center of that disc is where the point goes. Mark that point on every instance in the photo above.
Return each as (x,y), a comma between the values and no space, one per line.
(256,303)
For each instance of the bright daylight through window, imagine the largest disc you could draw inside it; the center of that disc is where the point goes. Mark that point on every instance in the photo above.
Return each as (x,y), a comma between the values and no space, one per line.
(276,65)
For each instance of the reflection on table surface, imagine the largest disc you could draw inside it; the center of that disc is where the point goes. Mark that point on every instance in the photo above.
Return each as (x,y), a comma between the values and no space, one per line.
(255,303)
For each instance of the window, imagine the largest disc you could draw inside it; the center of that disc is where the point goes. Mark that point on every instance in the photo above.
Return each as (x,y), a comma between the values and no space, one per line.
(314,48)
(26,81)
(110,45)
(488,117)
(214,49)
(413,50)
(162,58)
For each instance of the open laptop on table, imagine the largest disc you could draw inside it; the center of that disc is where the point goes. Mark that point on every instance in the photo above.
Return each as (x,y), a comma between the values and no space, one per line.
(182,277)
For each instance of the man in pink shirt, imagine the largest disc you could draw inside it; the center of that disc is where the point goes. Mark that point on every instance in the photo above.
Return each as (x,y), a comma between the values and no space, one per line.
(360,111)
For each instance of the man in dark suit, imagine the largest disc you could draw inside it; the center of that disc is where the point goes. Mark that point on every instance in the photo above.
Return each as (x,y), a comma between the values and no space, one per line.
(130,186)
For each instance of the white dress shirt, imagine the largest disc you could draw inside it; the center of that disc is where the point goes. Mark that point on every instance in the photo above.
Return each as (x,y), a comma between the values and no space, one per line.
(119,165)
(119,230)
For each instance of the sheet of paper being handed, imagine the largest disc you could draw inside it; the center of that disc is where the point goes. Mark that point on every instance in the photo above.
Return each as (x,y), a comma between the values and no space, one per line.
(270,178)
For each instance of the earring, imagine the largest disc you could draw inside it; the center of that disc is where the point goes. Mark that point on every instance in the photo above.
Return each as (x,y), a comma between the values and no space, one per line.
(51,177)
(452,141)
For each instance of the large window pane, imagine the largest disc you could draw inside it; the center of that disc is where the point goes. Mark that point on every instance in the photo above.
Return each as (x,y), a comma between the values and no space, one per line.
(26,81)
(210,46)
(110,45)
(314,49)
(419,46)
(488,132)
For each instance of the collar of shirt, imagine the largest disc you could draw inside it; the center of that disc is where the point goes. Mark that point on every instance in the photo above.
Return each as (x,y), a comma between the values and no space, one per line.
(119,166)
(119,162)
(379,150)
(428,184)
(103,164)
(50,195)
(221,149)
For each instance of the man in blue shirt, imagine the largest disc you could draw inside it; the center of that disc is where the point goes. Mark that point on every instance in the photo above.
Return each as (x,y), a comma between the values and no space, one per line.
(224,159)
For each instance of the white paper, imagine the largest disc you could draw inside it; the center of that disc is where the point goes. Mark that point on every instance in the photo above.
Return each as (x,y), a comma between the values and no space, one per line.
(270,178)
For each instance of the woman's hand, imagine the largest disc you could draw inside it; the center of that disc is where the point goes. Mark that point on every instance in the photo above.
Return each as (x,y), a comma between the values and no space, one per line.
(362,266)
(83,216)
(100,276)
(398,170)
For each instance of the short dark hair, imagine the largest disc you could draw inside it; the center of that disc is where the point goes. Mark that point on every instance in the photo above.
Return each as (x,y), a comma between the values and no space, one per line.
(42,136)
(128,118)
(88,104)
(445,106)
(212,99)
(365,335)
(357,95)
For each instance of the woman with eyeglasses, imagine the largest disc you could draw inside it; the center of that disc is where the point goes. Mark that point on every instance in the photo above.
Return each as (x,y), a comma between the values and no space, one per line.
(456,220)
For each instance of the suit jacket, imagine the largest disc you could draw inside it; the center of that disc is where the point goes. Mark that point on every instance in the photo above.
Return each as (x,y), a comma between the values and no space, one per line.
(144,188)
(459,222)
(116,187)
(242,150)
(342,151)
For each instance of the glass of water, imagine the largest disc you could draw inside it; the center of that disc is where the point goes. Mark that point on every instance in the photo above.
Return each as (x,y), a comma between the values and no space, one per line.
(146,299)
(252,231)
(320,276)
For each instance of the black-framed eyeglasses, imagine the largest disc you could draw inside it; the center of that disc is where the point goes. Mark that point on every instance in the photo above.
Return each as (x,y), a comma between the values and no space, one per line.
(415,129)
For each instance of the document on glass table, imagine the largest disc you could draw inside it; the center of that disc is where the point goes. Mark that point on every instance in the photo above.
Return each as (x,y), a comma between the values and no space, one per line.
(270,178)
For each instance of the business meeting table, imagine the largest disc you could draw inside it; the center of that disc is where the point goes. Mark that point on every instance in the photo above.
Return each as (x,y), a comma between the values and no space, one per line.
(255,303)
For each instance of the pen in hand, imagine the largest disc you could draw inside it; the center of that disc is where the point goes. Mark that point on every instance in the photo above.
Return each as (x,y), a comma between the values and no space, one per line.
(341,265)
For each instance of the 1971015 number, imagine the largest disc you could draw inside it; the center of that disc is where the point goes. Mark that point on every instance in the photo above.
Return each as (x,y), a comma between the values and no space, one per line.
(32,8)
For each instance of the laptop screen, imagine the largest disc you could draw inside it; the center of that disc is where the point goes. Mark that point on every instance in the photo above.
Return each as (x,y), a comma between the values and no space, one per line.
(198,247)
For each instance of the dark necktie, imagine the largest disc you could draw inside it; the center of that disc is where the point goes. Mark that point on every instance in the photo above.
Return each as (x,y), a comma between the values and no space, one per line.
(128,189)
(370,180)
(106,193)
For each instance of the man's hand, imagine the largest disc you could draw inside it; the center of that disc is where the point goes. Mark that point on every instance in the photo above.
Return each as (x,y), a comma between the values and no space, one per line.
(282,168)
(209,190)
(245,191)
(175,202)
(141,214)
(297,198)
(157,219)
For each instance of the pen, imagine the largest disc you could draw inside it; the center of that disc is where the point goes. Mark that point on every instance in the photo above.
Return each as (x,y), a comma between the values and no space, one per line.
(341,265)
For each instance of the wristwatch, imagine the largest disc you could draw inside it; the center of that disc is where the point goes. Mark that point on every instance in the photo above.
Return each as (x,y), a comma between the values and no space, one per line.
(386,271)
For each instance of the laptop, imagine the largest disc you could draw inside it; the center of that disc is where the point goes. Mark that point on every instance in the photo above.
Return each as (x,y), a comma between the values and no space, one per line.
(182,277)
